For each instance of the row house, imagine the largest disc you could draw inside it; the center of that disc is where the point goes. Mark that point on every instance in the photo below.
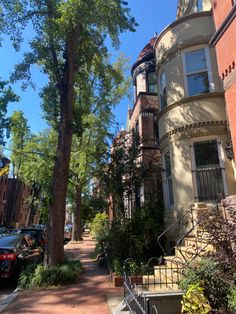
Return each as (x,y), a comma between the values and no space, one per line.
(223,40)
(192,120)
(142,131)
(4,162)
(14,200)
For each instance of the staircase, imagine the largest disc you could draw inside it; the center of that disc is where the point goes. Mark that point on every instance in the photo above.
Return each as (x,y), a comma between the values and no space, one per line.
(160,283)
(189,248)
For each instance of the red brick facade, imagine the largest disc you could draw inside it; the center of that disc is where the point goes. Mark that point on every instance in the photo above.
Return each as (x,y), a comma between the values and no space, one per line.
(3,195)
(230,96)
(224,41)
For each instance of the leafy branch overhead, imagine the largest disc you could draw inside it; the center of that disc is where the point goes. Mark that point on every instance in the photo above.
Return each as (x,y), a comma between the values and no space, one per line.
(68,37)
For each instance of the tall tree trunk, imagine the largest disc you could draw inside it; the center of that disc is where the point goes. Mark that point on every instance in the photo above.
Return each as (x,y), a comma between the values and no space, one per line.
(77,228)
(56,217)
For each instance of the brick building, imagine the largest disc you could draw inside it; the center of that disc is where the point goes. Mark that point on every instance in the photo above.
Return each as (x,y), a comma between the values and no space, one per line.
(3,188)
(142,124)
(17,204)
(224,12)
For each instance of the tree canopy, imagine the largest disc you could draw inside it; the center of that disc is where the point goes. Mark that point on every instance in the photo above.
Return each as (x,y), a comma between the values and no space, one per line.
(68,35)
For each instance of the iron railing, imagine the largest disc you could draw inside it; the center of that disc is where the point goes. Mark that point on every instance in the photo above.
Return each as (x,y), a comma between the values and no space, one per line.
(185,219)
(195,227)
(133,300)
(209,184)
(148,277)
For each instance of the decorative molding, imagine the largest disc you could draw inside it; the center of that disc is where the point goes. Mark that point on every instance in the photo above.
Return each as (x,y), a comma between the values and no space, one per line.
(192,130)
(147,114)
(143,68)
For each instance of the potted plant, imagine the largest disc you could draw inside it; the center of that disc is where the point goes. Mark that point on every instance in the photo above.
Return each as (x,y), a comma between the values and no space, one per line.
(117,273)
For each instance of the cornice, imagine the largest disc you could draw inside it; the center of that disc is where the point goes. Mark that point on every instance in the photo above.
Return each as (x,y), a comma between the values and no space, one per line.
(186,100)
(180,21)
(191,127)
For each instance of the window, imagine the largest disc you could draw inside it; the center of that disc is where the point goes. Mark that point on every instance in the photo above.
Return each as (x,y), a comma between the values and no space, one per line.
(169,186)
(208,170)
(151,82)
(193,7)
(196,68)
(198,6)
(162,90)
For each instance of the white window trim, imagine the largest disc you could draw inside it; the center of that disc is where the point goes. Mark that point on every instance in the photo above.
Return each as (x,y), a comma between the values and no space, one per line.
(221,161)
(208,63)
(167,204)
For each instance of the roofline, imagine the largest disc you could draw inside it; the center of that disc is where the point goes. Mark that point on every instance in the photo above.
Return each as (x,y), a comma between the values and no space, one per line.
(179,21)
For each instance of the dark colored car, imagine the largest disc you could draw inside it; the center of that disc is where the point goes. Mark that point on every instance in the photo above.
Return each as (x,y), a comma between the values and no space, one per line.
(37,234)
(4,230)
(15,255)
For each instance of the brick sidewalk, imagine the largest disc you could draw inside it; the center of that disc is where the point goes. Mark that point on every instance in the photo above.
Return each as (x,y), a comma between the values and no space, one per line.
(88,296)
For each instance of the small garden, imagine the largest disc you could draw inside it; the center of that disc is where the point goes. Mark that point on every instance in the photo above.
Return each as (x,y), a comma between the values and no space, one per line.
(210,284)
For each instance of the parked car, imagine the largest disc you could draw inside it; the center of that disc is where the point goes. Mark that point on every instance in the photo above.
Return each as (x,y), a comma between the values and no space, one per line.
(67,233)
(4,230)
(37,234)
(15,255)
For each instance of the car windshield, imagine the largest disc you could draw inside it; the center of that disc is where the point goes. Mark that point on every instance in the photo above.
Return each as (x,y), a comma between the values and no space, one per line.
(9,241)
(35,234)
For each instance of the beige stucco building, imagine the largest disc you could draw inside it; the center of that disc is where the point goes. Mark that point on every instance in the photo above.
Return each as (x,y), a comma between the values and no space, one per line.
(192,118)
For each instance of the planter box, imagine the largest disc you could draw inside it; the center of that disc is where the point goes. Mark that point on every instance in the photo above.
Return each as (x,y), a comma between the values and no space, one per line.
(136,279)
(117,281)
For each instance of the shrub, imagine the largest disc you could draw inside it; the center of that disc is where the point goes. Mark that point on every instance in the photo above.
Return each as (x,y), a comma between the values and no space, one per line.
(194,301)
(207,274)
(117,267)
(232,299)
(99,227)
(36,276)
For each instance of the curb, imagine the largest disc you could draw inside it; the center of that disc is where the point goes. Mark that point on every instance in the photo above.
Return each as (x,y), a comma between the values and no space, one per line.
(9,299)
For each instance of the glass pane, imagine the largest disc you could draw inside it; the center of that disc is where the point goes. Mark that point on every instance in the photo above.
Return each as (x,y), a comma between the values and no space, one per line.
(151,76)
(170,191)
(152,88)
(168,164)
(198,83)
(206,154)
(162,82)
(195,61)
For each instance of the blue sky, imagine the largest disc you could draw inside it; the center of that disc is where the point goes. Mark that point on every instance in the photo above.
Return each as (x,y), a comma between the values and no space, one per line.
(151,15)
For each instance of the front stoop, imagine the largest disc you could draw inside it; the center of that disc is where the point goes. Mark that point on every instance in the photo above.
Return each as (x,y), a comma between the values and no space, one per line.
(116,304)
(168,302)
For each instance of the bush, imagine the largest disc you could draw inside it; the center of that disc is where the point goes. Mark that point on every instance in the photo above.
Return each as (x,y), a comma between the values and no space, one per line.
(117,267)
(194,301)
(99,227)
(232,299)
(36,276)
(207,274)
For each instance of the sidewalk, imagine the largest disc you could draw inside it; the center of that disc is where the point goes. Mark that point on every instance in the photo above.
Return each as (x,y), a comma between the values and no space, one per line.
(88,296)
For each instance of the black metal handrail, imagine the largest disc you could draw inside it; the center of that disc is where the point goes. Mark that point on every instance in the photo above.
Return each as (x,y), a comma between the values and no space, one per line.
(193,253)
(190,211)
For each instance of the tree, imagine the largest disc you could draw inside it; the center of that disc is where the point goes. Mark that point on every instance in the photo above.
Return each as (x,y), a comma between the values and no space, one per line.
(20,133)
(68,34)
(99,91)
(6,95)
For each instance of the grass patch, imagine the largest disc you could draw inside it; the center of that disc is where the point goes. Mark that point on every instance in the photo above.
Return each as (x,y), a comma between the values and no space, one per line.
(40,276)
